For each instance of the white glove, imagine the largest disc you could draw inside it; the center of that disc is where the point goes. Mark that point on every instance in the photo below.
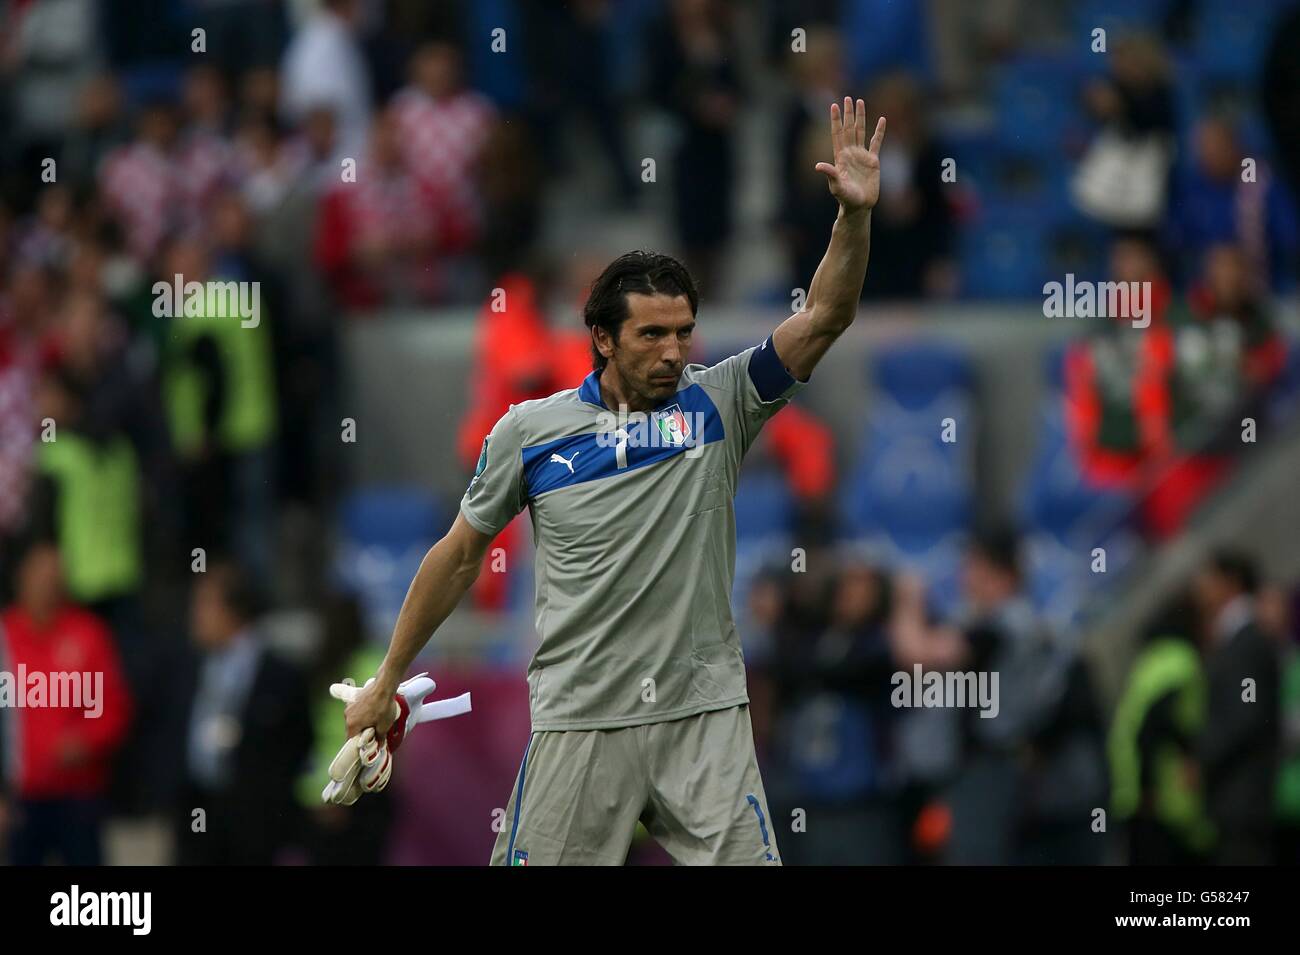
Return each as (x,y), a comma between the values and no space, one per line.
(365,763)
(362,765)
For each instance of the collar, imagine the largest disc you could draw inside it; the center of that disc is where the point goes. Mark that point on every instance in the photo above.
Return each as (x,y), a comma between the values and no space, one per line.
(1233,617)
(590,390)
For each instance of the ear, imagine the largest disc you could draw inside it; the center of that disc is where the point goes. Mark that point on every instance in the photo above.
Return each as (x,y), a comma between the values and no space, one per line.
(603,341)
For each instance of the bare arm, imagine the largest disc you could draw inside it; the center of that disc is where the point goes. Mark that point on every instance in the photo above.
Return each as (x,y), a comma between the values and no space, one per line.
(445,574)
(832,303)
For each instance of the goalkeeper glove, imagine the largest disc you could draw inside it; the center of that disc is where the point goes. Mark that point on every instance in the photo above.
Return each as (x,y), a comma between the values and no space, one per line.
(365,762)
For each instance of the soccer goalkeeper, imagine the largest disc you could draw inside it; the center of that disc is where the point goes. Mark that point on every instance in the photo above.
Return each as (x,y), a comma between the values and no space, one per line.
(637,691)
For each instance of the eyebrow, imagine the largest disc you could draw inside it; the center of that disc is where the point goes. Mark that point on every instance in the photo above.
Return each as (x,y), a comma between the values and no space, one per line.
(664,328)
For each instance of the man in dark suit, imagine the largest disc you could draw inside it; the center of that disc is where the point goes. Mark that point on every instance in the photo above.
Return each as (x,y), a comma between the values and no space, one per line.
(1237,751)
(246,731)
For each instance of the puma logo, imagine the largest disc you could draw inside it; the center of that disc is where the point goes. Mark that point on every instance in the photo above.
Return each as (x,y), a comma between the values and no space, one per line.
(556,459)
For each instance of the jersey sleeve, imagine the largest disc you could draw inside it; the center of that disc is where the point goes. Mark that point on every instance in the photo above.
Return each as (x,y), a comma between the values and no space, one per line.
(758,384)
(496,492)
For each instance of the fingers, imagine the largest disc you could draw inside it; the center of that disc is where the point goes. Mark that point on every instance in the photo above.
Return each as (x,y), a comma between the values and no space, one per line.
(860,123)
(826,169)
(878,137)
(344,691)
(837,130)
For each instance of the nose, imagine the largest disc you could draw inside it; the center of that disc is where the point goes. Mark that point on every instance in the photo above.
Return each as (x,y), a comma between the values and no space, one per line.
(672,353)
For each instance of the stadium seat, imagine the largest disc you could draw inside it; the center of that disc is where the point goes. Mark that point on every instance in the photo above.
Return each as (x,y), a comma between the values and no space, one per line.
(1064,519)
(384,533)
(1231,37)
(1004,256)
(909,498)
(1119,15)
(765,518)
(1038,102)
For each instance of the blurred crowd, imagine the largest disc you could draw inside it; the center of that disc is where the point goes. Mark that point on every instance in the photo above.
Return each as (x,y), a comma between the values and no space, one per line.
(1198,763)
(356,157)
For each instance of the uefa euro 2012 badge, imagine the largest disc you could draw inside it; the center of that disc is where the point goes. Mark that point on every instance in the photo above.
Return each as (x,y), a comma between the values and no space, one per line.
(521,858)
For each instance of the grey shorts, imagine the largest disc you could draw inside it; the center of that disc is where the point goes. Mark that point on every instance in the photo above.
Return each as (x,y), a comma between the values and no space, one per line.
(693,783)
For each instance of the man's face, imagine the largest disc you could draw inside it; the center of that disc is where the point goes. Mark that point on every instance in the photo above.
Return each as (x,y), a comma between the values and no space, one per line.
(40,580)
(1212,591)
(211,622)
(653,345)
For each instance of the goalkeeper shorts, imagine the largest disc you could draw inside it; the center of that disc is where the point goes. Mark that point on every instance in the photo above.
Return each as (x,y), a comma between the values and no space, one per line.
(693,782)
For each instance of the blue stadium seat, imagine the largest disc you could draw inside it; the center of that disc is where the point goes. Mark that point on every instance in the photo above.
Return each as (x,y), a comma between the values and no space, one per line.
(1231,37)
(1039,103)
(384,533)
(1064,519)
(765,506)
(1004,256)
(909,497)
(1118,15)
(765,519)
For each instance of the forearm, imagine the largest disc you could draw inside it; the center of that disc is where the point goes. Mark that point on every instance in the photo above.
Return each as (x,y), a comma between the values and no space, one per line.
(445,574)
(837,285)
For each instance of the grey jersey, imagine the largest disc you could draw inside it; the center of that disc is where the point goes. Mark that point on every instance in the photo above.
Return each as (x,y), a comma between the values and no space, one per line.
(635,535)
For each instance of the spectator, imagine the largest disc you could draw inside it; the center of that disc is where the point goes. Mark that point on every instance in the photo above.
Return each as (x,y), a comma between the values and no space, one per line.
(219,393)
(99,129)
(443,129)
(356,835)
(377,238)
(62,748)
(832,725)
(694,77)
(1115,379)
(912,226)
(1123,180)
(247,730)
(142,184)
(806,204)
(1238,748)
(995,632)
(1217,205)
(1220,355)
(325,66)
(1155,793)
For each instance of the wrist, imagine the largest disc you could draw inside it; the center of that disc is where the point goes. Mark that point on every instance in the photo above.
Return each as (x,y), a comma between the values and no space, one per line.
(859,214)
(387,682)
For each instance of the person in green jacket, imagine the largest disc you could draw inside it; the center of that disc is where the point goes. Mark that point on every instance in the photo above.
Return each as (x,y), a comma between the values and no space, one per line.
(1155,793)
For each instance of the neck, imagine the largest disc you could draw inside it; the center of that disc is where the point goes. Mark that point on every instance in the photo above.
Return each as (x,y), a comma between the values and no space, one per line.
(41,614)
(615,393)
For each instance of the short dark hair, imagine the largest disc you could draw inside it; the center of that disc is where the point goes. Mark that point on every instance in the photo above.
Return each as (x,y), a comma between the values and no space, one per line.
(999,544)
(240,591)
(1236,567)
(641,273)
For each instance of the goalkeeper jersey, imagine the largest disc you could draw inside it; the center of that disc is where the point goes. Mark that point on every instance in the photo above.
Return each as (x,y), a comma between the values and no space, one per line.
(635,537)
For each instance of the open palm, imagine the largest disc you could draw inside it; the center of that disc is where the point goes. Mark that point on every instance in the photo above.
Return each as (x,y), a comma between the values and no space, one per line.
(854,177)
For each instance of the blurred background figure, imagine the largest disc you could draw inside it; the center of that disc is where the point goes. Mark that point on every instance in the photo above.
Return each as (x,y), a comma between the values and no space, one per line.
(324,65)
(1156,791)
(693,74)
(58,750)
(1237,749)
(244,734)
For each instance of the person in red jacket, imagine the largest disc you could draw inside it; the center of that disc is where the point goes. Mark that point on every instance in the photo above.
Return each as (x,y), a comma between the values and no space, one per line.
(65,708)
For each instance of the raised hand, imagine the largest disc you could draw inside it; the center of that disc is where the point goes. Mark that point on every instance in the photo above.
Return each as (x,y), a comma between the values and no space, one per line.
(854,177)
